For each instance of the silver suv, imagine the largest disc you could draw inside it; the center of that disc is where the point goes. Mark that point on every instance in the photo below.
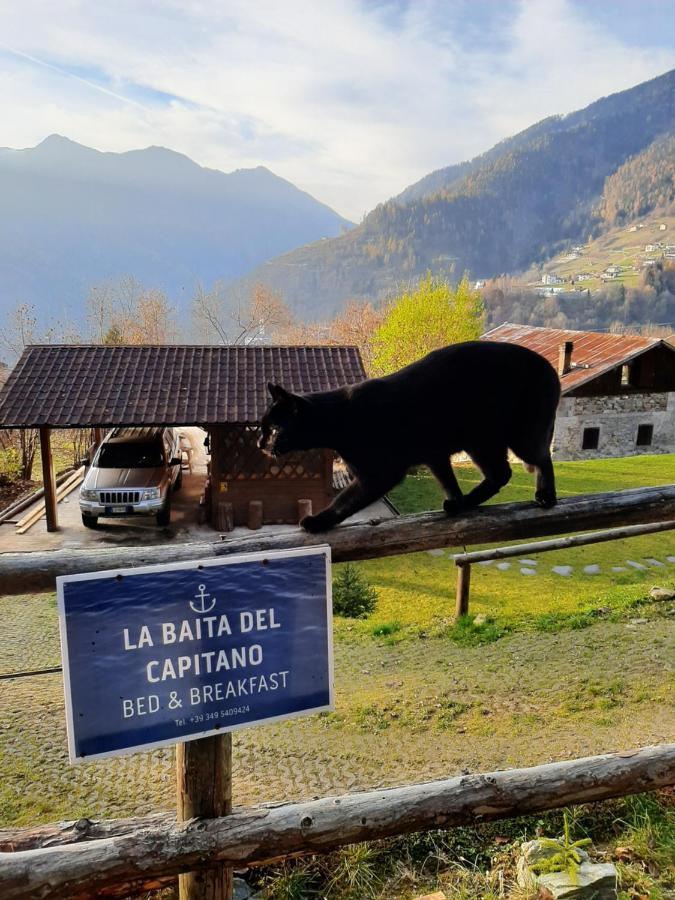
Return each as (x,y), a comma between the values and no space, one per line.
(132,474)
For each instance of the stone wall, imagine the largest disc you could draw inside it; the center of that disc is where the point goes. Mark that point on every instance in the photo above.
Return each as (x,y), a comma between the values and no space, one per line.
(618,418)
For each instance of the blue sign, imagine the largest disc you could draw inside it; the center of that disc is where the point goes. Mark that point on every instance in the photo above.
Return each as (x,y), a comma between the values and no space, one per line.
(161,654)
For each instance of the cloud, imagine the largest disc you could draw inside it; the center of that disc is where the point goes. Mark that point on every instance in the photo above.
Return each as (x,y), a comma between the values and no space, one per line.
(349,100)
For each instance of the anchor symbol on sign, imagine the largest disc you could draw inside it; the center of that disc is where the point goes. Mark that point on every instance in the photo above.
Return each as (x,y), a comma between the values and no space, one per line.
(200,604)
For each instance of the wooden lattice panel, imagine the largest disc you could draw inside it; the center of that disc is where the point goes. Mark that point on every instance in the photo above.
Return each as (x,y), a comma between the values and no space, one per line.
(242,460)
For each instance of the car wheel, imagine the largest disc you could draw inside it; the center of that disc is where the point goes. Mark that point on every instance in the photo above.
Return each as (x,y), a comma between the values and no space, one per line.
(89,521)
(164,516)
(178,483)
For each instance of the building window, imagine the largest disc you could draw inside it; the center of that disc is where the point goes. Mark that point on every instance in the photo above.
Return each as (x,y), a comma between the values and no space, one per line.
(590,439)
(644,435)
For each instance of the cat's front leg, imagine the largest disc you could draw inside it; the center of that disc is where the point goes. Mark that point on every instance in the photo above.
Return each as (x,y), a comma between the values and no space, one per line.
(323,521)
(355,497)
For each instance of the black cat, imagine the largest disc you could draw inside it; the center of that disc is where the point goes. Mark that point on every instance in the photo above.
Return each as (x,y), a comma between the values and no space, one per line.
(480,397)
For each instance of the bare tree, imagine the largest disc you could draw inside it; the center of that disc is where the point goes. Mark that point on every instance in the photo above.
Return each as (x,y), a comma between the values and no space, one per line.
(20,329)
(126,312)
(234,319)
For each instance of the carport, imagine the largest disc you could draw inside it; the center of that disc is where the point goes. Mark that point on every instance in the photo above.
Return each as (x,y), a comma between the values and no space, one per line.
(222,389)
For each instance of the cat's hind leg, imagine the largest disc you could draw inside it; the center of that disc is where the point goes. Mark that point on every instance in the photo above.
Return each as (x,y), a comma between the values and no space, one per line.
(441,469)
(539,458)
(545,492)
(494,465)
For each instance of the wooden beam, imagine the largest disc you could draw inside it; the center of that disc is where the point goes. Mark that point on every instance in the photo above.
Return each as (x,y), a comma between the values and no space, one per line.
(24,502)
(575,540)
(161,848)
(29,572)
(48,479)
(204,790)
(62,490)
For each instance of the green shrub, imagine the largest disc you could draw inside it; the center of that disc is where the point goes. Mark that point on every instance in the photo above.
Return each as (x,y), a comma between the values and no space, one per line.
(10,466)
(353,596)
(385,629)
(466,632)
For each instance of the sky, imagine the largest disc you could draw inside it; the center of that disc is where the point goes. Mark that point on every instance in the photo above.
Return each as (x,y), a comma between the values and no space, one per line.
(351,100)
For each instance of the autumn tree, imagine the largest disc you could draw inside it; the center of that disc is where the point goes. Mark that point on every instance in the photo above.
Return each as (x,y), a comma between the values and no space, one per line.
(357,325)
(126,312)
(432,315)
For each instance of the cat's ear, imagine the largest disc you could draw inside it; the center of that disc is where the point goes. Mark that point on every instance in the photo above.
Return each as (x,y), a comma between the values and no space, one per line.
(277,392)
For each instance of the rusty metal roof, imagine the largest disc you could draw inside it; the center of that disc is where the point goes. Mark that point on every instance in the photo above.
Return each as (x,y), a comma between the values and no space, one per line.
(594,352)
(71,385)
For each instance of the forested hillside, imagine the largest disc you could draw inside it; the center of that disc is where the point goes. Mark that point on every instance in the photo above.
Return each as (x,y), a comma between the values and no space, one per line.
(516,205)
(644,183)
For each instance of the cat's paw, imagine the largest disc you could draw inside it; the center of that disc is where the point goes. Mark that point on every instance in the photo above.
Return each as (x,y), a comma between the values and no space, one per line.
(452,507)
(545,499)
(316,524)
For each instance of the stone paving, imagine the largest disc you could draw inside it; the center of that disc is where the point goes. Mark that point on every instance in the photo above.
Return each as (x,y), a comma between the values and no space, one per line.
(529,567)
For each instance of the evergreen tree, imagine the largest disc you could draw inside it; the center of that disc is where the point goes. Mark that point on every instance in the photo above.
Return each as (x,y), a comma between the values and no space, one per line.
(353,596)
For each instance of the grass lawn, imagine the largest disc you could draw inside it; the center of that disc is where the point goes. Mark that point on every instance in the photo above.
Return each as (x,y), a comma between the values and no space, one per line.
(417,698)
(416,591)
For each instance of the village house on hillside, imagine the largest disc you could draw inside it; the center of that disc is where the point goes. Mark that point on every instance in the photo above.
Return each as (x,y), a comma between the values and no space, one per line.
(618,390)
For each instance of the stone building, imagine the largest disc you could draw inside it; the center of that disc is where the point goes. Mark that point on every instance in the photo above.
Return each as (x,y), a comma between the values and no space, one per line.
(618,390)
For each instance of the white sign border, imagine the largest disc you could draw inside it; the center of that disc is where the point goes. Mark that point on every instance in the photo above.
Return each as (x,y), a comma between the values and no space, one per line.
(317,550)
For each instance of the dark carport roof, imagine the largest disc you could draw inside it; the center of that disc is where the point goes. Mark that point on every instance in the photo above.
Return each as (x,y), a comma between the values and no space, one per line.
(74,385)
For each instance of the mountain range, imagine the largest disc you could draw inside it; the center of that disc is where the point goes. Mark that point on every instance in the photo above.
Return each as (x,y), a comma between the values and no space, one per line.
(71,217)
(555,184)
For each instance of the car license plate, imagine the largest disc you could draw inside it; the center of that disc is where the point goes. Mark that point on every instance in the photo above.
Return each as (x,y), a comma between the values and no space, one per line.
(119,509)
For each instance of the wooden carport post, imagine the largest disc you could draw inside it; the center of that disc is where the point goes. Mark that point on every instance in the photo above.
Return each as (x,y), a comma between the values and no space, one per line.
(48,479)
(204,790)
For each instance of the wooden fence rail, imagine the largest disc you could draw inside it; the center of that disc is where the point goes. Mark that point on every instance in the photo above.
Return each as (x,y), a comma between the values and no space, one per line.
(158,847)
(28,572)
(464,561)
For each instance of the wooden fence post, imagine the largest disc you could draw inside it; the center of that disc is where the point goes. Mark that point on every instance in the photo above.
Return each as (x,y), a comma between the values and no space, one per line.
(225,515)
(204,790)
(255,514)
(304,509)
(463,584)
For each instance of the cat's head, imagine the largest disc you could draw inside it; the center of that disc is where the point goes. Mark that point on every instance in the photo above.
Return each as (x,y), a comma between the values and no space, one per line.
(287,424)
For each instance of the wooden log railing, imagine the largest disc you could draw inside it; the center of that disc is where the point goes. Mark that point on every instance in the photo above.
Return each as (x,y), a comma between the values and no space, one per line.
(29,572)
(158,847)
(465,560)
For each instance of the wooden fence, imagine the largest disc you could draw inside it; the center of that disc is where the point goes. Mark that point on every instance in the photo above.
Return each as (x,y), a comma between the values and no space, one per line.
(22,573)
(115,858)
